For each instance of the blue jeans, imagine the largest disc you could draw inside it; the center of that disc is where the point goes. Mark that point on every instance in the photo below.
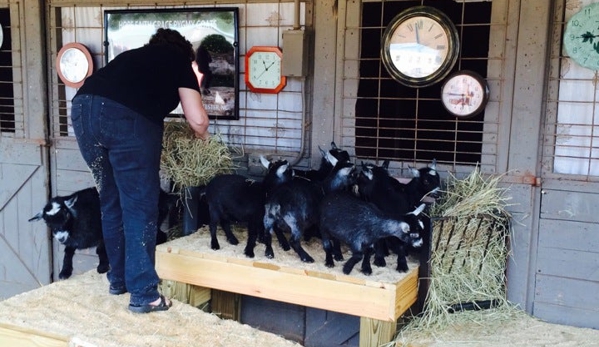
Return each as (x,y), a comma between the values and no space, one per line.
(122,149)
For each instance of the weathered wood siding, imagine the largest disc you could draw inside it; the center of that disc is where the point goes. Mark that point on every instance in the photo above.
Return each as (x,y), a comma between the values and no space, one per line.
(567,264)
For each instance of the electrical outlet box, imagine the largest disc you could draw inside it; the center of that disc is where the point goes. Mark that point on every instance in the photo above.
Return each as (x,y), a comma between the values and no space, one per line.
(295,62)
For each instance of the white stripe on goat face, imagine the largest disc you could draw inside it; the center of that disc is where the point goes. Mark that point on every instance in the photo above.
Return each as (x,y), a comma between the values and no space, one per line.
(54,210)
(61,235)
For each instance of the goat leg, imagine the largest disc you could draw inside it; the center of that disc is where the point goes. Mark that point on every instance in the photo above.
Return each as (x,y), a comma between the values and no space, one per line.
(328,249)
(338,256)
(103,266)
(213,240)
(294,241)
(227,228)
(269,253)
(281,238)
(67,263)
(349,265)
(253,230)
(366,269)
(380,250)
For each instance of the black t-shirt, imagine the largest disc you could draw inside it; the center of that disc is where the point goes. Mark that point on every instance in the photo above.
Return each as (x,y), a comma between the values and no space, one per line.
(144,79)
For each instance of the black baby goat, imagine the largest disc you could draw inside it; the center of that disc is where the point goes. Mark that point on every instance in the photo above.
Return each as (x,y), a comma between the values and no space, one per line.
(75,222)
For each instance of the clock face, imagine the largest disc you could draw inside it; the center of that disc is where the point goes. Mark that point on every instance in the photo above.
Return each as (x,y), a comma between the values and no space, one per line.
(74,64)
(263,70)
(465,94)
(420,46)
(581,37)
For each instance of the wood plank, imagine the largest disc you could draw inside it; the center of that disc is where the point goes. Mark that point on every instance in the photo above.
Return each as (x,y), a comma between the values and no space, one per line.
(326,328)
(281,318)
(186,293)
(383,301)
(568,263)
(558,314)
(567,234)
(374,332)
(569,205)
(11,335)
(226,305)
(567,292)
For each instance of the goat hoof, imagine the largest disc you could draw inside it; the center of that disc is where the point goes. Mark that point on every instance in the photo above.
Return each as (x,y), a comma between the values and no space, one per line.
(249,254)
(233,241)
(308,260)
(380,262)
(402,268)
(367,272)
(327,264)
(103,269)
(215,246)
(269,255)
(63,275)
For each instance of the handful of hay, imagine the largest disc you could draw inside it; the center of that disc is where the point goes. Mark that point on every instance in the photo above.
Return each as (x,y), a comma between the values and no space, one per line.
(469,249)
(192,162)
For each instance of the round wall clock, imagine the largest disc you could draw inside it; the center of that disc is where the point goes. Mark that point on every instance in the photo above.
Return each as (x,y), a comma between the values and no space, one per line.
(581,38)
(420,46)
(74,64)
(465,94)
(263,69)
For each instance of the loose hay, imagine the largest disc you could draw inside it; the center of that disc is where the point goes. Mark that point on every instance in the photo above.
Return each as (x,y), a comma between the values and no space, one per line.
(191,162)
(469,252)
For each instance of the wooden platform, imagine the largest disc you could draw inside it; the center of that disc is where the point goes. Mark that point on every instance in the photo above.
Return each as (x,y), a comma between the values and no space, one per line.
(79,312)
(378,299)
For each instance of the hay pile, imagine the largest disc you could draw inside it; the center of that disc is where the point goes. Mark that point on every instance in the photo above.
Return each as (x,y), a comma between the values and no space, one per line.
(469,249)
(191,162)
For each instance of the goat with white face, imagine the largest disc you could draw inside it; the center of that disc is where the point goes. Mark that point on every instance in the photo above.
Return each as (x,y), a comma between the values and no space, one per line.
(293,206)
(75,222)
(359,224)
(396,199)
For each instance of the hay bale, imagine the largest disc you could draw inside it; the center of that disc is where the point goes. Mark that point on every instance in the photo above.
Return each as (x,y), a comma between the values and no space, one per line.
(469,249)
(191,162)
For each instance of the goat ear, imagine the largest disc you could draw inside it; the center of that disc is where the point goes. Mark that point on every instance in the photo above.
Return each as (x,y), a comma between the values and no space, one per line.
(70,202)
(331,158)
(419,209)
(281,170)
(333,145)
(264,162)
(415,172)
(37,217)
(434,164)
(385,165)
(323,153)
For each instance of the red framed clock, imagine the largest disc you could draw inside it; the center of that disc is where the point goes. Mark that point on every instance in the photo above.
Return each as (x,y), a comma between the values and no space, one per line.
(74,64)
(263,69)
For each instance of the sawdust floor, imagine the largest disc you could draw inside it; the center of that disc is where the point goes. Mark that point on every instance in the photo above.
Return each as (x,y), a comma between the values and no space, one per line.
(82,310)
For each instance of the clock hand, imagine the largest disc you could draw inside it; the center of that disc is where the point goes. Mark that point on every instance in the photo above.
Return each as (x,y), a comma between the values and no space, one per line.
(417,34)
(271,64)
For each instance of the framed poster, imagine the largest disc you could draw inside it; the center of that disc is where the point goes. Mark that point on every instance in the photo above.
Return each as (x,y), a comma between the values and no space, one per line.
(213,32)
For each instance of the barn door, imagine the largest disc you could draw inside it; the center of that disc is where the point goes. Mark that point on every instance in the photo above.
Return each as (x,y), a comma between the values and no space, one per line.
(566,272)
(24,247)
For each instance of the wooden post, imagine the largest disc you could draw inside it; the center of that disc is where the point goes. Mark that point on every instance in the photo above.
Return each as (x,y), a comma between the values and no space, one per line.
(226,305)
(374,332)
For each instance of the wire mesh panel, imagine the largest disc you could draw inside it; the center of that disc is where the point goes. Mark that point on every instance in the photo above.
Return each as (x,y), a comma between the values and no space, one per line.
(12,123)
(275,123)
(572,116)
(390,121)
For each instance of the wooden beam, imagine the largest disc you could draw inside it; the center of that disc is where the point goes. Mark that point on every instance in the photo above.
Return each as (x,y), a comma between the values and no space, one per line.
(12,335)
(339,293)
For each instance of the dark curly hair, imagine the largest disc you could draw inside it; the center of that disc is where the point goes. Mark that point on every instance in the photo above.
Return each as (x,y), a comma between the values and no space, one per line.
(173,37)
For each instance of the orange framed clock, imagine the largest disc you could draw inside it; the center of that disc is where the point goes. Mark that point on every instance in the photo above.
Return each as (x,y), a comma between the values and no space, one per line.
(263,69)
(74,64)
